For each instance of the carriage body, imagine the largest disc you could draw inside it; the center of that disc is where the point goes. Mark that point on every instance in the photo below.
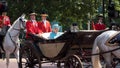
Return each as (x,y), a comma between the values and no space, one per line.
(66,49)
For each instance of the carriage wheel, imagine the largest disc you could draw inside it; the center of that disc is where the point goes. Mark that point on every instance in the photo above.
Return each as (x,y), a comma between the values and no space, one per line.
(73,61)
(29,57)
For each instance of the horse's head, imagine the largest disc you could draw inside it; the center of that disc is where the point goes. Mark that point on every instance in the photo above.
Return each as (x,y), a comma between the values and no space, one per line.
(19,24)
(22,21)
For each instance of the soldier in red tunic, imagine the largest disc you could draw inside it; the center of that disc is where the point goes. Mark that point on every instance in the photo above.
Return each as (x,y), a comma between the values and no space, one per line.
(4,19)
(100,25)
(32,26)
(44,25)
(4,26)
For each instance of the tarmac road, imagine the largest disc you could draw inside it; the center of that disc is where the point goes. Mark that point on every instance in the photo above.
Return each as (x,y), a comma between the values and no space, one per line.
(13,64)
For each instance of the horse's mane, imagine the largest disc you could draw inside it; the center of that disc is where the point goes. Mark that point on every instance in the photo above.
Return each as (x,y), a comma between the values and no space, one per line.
(13,24)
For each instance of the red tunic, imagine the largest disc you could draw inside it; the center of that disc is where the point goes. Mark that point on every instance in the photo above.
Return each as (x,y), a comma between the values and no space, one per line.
(4,20)
(32,28)
(44,28)
(100,26)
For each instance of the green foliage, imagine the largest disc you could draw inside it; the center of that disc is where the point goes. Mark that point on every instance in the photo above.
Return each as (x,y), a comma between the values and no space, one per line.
(117,5)
(64,11)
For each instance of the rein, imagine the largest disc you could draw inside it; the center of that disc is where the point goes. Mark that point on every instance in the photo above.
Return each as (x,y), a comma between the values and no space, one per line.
(103,52)
(16,29)
(13,42)
(15,35)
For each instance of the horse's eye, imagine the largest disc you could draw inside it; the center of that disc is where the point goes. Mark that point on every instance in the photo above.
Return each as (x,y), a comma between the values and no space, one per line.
(20,19)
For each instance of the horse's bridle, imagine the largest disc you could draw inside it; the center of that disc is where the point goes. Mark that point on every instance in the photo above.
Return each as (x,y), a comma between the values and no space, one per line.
(22,22)
(17,34)
(19,25)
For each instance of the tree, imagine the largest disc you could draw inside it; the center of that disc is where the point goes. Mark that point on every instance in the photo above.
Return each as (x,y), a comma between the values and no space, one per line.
(64,11)
(111,10)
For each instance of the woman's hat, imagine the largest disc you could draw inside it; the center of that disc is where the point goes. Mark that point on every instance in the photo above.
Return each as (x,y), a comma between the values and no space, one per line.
(44,14)
(74,24)
(32,13)
(100,15)
(55,26)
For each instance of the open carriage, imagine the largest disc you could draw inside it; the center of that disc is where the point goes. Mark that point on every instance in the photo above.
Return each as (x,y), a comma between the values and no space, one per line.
(66,49)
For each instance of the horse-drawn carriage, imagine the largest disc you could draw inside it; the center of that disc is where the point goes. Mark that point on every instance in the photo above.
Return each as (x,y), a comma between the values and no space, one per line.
(71,48)
(66,49)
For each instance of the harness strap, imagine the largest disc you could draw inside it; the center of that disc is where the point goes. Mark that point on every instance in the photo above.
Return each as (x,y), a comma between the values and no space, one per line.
(16,29)
(13,42)
(100,53)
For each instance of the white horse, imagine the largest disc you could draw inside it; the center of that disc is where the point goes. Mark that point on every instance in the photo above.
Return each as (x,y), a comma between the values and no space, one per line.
(11,42)
(101,45)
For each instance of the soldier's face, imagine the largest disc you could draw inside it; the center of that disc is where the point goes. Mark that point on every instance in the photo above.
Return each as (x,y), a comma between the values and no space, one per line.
(4,13)
(100,20)
(43,17)
(32,17)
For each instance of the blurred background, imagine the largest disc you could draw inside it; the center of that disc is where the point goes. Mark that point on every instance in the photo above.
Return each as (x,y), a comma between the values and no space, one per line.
(65,12)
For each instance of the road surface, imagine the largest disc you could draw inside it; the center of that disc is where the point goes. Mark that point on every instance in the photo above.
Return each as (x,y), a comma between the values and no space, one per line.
(13,64)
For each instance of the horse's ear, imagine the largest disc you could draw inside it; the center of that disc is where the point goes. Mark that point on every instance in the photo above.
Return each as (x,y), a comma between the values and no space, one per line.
(23,15)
